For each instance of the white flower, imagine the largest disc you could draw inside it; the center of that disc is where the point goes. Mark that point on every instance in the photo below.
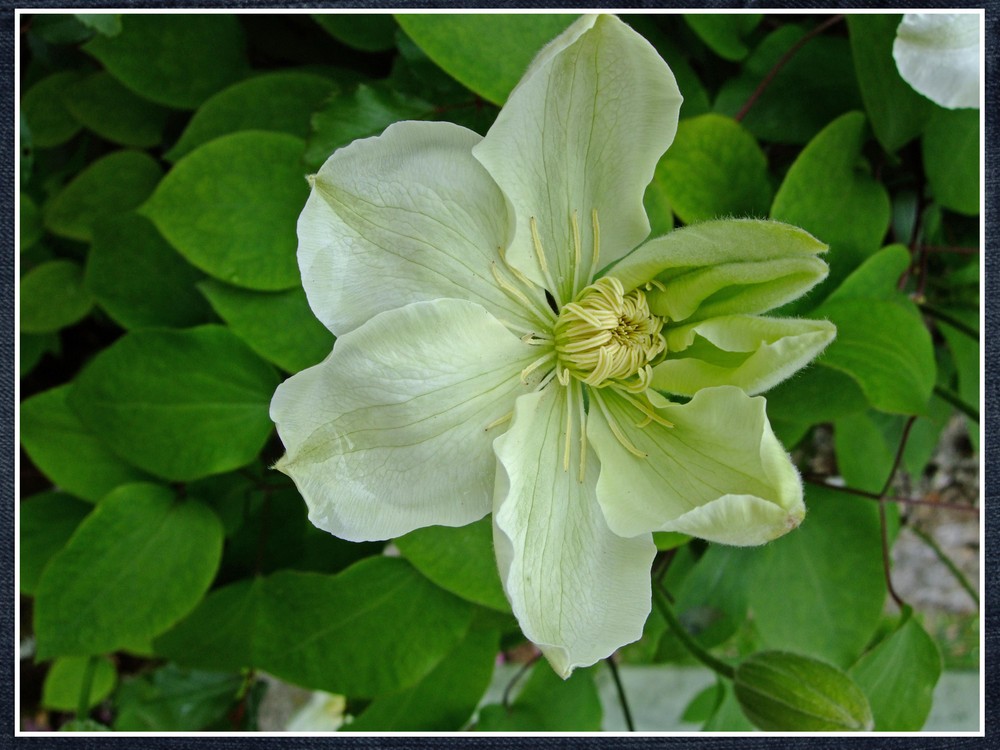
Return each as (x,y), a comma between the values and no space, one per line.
(938,55)
(486,363)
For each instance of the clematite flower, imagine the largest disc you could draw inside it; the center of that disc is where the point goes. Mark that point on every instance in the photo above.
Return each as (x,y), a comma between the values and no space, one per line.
(938,55)
(507,343)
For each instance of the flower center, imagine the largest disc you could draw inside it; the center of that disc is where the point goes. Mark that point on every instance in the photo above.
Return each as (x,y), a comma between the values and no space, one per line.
(607,337)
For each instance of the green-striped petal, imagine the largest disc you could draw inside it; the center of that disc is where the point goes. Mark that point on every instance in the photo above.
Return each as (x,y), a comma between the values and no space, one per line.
(389,433)
(578,590)
(718,473)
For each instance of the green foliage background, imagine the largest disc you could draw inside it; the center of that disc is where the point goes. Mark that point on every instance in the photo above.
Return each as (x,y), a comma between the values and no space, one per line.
(164,566)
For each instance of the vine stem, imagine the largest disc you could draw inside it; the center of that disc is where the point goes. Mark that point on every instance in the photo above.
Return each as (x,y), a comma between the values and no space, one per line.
(505,701)
(792,51)
(886,562)
(947,562)
(716,665)
(622,699)
(901,500)
(955,400)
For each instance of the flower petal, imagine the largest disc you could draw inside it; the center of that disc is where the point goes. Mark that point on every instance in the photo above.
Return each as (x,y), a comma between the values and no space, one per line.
(582,131)
(388,433)
(719,473)
(938,55)
(724,267)
(579,591)
(751,352)
(404,217)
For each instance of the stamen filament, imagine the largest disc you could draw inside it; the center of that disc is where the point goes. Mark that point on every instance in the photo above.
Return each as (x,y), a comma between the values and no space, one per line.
(647,409)
(577,252)
(497,422)
(542,262)
(535,365)
(615,429)
(583,437)
(597,243)
(545,315)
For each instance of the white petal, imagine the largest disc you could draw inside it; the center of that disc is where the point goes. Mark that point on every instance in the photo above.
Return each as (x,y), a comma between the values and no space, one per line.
(579,591)
(404,217)
(388,434)
(583,130)
(719,473)
(938,55)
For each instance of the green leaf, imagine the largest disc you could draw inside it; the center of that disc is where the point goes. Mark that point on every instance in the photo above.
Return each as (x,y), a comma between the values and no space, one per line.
(898,113)
(108,24)
(828,182)
(59,28)
(280,102)
(42,108)
(951,159)
(376,628)
(84,725)
(443,700)
(899,676)
(177,60)
(33,348)
(710,601)
(181,404)
(814,87)
(68,453)
(279,326)
(781,691)
(139,279)
(816,394)
(113,184)
(657,202)
(375,32)
(724,33)
(110,110)
(219,634)
(548,703)
(362,112)
(488,53)
(30,223)
(136,565)
(966,353)
(715,169)
(53,297)
(864,455)
(63,686)
(460,560)
(727,717)
(892,362)
(48,521)
(877,278)
(172,699)
(230,208)
(820,589)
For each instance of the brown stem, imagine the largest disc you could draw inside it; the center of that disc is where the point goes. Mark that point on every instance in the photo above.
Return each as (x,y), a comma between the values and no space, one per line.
(901,500)
(793,50)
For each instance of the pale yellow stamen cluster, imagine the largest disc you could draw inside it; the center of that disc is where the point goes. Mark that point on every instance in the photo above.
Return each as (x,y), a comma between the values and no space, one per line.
(606,337)
(603,338)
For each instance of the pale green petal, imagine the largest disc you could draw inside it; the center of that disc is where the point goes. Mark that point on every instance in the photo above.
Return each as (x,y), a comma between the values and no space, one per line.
(938,55)
(719,473)
(579,591)
(389,433)
(751,352)
(724,267)
(583,130)
(405,217)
